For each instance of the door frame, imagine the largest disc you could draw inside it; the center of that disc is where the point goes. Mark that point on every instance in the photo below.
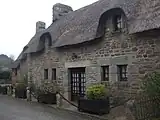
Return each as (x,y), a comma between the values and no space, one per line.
(82,83)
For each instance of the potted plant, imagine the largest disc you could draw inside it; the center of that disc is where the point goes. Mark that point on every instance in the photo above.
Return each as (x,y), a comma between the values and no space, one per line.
(3,90)
(46,93)
(20,91)
(96,101)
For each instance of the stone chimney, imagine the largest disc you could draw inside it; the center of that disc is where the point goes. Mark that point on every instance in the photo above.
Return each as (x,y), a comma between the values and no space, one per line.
(60,10)
(40,26)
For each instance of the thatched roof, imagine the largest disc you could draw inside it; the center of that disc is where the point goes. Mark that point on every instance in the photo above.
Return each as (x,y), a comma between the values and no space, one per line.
(15,64)
(33,45)
(82,25)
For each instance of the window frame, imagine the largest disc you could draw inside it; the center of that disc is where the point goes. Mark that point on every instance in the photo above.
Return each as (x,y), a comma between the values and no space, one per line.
(46,74)
(54,74)
(105,70)
(122,73)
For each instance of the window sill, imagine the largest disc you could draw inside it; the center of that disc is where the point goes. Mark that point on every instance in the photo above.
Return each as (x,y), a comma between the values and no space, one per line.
(54,80)
(122,84)
(117,32)
(45,79)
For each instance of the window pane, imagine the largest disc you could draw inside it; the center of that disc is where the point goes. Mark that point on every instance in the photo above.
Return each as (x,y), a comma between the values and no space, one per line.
(117,22)
(122,72)
(45,73)
(53,74)
(105,73)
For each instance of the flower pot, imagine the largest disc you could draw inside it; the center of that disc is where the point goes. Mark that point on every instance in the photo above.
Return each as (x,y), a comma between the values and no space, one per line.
(94,106)
(3,90)
(48,98)
(21,93)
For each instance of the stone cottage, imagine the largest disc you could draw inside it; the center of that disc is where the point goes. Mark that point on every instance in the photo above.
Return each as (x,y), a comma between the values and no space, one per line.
(112,41)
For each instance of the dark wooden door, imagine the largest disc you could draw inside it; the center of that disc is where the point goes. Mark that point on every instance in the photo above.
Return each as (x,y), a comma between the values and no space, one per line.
(77,83)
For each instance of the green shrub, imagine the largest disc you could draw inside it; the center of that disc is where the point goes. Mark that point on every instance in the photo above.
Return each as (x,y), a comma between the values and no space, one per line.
(156,119)
(39,91)
(3,89)
(20,86)
(20,90)
(49,87)
(96,92)
(151,84)
(32,87)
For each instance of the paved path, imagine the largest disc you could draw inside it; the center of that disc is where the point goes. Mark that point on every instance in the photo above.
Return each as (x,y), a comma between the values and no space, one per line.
(16,109)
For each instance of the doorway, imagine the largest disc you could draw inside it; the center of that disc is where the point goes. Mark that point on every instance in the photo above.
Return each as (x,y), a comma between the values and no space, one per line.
(78,83)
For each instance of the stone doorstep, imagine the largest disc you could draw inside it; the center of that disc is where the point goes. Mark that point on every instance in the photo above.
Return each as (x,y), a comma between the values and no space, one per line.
(74,110)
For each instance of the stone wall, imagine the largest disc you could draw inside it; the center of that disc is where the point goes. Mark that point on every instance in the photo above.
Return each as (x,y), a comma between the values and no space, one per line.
(15,78)
(24,69)
(139,51)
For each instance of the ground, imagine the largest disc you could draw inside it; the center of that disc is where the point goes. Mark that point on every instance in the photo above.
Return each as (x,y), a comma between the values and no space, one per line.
(16,109)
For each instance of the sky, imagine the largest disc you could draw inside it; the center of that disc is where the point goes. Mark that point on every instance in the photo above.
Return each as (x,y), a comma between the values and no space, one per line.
(18,20)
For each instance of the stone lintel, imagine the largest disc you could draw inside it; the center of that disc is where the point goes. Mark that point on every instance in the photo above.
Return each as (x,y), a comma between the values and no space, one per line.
(117,60)
(77,64)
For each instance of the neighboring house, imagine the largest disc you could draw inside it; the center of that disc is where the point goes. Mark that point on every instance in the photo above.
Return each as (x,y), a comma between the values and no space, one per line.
(115,41)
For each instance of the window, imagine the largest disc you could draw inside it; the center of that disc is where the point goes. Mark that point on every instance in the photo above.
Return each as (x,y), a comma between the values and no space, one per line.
(45,73)
(49,41)
(14,71)
(122,72)
(53,74)
(117,21)
(105,73)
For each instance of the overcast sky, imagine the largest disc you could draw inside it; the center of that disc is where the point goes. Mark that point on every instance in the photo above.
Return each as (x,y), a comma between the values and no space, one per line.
(18,20)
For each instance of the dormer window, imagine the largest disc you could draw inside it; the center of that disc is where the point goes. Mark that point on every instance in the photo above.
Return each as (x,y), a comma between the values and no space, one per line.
(49,41)
(117,22)
(46,40)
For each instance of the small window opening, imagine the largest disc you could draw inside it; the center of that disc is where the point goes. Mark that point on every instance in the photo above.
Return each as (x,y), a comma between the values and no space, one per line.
(117,23)
(45,73)
(53,74)
(122,72)
(105,73)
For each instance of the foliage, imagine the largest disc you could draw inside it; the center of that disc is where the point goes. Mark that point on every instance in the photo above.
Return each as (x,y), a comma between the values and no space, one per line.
(3,89)
(5,75)
(20,86)
(47,88)
(156,119)
(12,57)
(25,79)
(39,91)
(32,87)
(5,61)
(151,84)
(20,90)
(96,92)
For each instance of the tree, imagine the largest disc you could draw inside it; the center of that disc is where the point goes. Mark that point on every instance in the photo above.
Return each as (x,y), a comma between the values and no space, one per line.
(151,84)
(5,75)
(12,57)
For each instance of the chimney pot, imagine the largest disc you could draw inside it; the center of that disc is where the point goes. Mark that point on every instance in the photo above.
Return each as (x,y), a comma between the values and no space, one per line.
(40,26)
(60,10)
